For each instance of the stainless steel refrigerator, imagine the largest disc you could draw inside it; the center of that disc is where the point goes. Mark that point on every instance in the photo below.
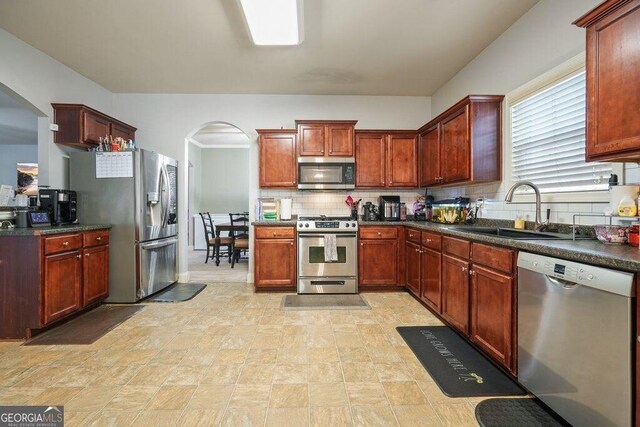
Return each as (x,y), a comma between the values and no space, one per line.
(136,192)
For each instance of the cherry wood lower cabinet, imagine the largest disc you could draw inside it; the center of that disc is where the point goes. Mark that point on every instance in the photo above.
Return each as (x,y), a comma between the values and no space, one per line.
(493,302)
(455,292)
(53,277)
(431,263)
(275,257)
(413,267)
(379,255)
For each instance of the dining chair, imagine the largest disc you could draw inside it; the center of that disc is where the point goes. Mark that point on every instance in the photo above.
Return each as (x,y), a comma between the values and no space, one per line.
(213,243)
(240,235)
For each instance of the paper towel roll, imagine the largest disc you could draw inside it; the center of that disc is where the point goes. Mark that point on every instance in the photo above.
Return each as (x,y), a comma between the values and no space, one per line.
(285,209)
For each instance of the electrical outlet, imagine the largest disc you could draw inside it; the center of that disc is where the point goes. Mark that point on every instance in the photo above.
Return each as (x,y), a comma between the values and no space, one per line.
(53,127)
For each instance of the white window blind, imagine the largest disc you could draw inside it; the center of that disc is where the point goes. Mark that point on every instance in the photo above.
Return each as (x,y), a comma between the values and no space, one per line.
(548,140)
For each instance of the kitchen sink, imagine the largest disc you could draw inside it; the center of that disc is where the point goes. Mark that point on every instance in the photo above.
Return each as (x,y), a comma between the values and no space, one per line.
(512,233)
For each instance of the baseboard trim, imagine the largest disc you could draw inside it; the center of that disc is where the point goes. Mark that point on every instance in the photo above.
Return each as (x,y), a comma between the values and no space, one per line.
(184,277)
(249,277)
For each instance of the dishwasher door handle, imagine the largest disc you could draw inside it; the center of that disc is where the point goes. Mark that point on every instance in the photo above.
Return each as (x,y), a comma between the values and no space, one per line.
(562,282)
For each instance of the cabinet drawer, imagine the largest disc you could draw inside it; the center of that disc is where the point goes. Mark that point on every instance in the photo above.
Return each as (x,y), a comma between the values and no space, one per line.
(379,233)
(65,242)
(457,247)
(496,258)
(274,232)
(94,238)
(413,235)
(432,240)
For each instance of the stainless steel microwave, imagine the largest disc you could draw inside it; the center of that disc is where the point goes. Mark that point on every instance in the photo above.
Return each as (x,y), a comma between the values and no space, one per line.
(326,173)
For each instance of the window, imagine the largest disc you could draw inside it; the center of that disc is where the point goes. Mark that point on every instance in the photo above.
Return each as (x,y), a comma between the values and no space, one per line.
(548,139)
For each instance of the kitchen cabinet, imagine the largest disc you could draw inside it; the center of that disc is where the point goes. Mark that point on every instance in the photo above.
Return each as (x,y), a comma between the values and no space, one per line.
(325,138)
(81,126)
(613,81)
(455,292)
(278,167)
(386,159)
(379,256)
(413,267)
(463,144)
(54,276)
(431,268)
(493,304)
(275,257)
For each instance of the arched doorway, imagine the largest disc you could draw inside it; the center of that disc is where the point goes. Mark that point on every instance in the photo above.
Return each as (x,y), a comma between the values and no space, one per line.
(218,183)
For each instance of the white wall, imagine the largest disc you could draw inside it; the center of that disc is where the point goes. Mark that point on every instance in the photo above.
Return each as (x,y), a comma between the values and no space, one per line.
(41,80)
(10,156)
(540,40)
(165,120)
(195,158)
(225,180)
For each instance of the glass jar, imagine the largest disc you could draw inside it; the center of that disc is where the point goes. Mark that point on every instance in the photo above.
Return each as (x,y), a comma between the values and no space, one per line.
(403,212)
(633,237)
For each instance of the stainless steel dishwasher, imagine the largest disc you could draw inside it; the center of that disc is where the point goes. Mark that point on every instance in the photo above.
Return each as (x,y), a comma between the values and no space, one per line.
(574,339)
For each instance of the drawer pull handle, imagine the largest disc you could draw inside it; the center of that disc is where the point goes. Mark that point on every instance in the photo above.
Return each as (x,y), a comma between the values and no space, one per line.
(65,243)
(98,238)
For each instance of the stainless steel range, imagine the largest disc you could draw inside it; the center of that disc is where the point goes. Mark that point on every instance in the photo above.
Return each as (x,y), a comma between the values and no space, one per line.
(318,273)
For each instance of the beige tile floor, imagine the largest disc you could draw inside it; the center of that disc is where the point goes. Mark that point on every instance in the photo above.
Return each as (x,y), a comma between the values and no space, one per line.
(232,357)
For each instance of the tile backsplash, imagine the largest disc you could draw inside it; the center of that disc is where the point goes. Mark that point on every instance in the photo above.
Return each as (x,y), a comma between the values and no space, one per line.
(312,203)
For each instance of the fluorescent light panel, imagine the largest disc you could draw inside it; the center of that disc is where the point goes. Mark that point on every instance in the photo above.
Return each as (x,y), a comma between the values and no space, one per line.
(274,22)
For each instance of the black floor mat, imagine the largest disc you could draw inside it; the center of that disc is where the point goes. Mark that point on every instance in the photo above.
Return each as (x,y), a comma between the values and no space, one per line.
(455,366)
(178,292)
(87,328)
(516,412)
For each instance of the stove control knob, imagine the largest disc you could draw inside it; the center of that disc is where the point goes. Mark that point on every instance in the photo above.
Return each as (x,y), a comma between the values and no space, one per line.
(307,225)
(300,225)
(346,225)
(353,224)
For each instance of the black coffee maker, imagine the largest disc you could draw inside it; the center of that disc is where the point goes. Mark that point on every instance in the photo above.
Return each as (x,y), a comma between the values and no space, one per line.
(62,205)
(370,212)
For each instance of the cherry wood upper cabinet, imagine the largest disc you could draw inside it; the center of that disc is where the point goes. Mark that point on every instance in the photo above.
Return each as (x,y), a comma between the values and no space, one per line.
(326,138)
(463,144)
(429,155)
(613,81)
(81,126)
(278,163)
(386,158)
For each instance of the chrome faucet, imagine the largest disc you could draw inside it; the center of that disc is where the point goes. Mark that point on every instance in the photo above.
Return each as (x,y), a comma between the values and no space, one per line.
(539,225)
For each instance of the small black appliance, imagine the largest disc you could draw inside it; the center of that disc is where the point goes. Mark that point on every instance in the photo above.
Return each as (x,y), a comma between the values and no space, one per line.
(389,208)
(62,205)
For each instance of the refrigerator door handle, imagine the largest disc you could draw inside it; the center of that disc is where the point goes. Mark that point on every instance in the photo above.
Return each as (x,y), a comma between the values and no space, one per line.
(161,244)
(165,196)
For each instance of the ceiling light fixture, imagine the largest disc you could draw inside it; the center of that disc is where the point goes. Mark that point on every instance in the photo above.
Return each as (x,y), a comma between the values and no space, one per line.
(274,22)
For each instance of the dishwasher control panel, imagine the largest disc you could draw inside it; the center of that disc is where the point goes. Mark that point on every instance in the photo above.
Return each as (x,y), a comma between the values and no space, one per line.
(614,281)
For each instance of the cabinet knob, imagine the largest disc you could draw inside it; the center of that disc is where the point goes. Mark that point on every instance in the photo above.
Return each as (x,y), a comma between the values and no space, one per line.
(471,272)
(98,238)
(429,240)
(78,256)
(390,182)
(322,151)
(410,235)
(275,234)
(379,233)
(464,268)
(361,244)
(87,254)
(291,243)
(330,151)
(65,243)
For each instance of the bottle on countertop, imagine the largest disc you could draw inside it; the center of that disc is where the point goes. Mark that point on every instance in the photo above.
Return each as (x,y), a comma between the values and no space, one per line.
(403,212)
(627,207)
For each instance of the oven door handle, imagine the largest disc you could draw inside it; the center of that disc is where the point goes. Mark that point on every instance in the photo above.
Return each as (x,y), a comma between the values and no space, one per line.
(316,235)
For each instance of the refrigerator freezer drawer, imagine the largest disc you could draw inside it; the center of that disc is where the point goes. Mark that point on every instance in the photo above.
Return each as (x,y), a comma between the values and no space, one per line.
(157,268)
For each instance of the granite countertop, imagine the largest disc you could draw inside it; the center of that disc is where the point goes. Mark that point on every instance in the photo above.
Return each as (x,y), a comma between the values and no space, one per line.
(276,223)
(42,231)
(588,251)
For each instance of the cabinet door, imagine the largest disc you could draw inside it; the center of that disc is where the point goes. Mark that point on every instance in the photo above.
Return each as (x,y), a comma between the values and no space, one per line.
(430,157)
(378,262)
(455,292)
(613,79)
(278,163)
(62,285)
(456,148)
(126,132)
(94,127)
(431,278)
(275,263)
(311,140)
(370,160)
(492,313)
(412,259)
(402,161)
(340,140)
(95,274)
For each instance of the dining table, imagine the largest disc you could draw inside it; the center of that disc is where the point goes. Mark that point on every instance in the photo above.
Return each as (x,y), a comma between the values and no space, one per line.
(231,230)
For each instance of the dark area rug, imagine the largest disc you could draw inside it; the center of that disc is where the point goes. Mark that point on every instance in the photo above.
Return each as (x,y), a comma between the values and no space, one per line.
(455,366)
(324,302)
(86,328)
(178,292)
(516,412)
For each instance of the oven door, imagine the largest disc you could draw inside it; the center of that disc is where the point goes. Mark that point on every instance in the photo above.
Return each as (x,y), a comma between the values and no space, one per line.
(311,261)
